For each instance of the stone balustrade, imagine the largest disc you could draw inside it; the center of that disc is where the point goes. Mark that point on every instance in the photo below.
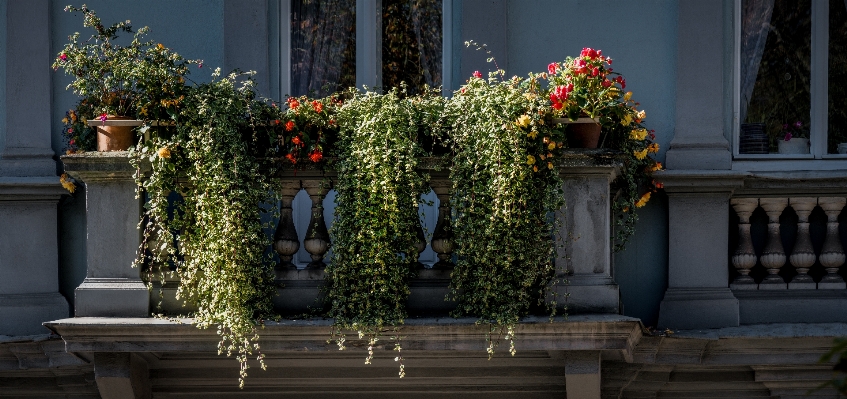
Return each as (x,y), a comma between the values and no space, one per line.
(585,281)
(802,280)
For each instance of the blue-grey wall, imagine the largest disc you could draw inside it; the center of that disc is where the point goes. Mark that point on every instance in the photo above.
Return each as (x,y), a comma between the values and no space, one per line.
(640,36)
(2,75)
(193,28)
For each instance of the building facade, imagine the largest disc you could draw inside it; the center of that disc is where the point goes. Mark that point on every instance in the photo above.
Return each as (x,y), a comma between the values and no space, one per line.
(731,287)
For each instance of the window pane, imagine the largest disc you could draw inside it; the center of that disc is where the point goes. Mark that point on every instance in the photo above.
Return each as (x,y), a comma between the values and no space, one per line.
(776,49)
(837,85)
(411,43)
(323,46)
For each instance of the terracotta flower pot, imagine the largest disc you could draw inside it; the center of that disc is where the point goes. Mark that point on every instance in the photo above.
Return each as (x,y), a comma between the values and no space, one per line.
(583,135)
(114,138)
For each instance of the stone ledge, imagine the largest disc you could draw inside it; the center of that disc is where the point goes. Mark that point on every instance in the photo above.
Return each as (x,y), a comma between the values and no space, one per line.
(588,332)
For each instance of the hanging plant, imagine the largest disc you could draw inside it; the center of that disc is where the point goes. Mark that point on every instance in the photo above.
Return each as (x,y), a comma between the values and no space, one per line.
(505,188)
(217,158)
(376,218)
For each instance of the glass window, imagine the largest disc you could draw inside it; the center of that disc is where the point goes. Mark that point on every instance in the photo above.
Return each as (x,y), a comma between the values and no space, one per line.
(323,46)
(837,84)
(411,43)
(775,81)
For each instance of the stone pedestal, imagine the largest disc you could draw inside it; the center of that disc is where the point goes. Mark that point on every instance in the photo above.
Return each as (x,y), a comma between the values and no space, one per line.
(584,242)
(112,287)
(698,294)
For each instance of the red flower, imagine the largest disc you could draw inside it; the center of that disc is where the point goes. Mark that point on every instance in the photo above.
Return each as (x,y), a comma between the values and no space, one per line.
(606,83)
(553,67)
(561,92)
(277,121)
(291,158)
(590,53)
(579,66)
(332,121)
(293,103)
(72,142)
(557,106)
(317,106)
(63,57)
(289,126)
(477,75)
(595,72)
(296,140)
(316,156)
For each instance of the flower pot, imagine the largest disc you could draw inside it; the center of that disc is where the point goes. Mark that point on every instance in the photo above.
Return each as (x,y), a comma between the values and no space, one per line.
(753,139)
(794,146)
(114,138)
(583,135)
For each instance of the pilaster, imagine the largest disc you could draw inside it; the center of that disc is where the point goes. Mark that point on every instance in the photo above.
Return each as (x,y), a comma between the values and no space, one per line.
(112,287)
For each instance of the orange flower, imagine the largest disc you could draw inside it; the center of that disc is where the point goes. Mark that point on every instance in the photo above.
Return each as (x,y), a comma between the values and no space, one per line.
(316,156)
(643,200)
(289,126)
(293,103)
(296,140)
(291,158)
(317,106)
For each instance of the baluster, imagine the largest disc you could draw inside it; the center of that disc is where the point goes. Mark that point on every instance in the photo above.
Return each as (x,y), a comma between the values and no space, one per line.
(832,254)
(744,257)
(773,257)
(803,255)
(286,242)
(420,245)
(442,237)
(317,236)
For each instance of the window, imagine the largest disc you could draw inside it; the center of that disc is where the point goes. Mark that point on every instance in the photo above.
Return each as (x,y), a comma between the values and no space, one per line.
(791,79)
(320,46)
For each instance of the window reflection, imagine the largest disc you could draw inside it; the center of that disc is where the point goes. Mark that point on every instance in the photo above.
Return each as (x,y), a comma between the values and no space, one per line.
(411,43)
(323,46)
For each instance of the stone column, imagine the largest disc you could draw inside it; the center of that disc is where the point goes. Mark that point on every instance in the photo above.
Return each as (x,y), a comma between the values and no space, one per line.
(744,257)
(803,256)
(121,376)
(832,253)
(698,294)
(112,287)
(286,242)
(584,247)
(317,235)
(442,236)
(773,256)
(582,374)
(29,186)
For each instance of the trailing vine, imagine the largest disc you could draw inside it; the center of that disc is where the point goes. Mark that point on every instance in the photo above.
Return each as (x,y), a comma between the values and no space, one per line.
(505,188)
(217,159)
(378,189)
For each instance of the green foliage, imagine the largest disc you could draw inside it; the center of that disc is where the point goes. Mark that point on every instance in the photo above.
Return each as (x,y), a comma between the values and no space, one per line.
(142,80)
(378,189)
(503,201)
(218,160)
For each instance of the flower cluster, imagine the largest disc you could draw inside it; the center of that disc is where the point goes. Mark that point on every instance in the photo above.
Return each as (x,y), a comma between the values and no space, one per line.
(584,86)
(796,129)
(76,133)
(308,128)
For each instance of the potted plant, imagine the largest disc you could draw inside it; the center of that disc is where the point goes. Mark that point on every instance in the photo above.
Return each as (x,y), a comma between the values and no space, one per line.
(794,140)
(584,91)
(142,80)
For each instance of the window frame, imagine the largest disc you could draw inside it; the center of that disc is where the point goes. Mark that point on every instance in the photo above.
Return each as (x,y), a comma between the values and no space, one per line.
(368,45)
(819,123)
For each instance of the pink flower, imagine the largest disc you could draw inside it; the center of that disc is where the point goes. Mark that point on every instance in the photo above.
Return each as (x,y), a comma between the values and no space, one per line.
(561,92)
(477,75)
(103,118)
(595,72)
(579,66)
(63,57)
(553,67)
(788,136)
(589,53)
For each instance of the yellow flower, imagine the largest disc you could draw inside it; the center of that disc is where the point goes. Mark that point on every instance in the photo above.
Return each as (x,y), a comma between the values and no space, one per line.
(535,168)
(643,200)
(656,166)
(549,165)
(529,96)
(164,152)
(627,96)
(653,147)
(533,134)
(160,46)
(530,159)
(551,146)
(523,121)
(627,119)
(640,154)
(65,121)
(67,182)
(642,114)
(638,134)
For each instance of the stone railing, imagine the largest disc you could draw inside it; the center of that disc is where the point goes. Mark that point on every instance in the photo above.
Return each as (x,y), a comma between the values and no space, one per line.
(113,288)
(791,272)
(754,247)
